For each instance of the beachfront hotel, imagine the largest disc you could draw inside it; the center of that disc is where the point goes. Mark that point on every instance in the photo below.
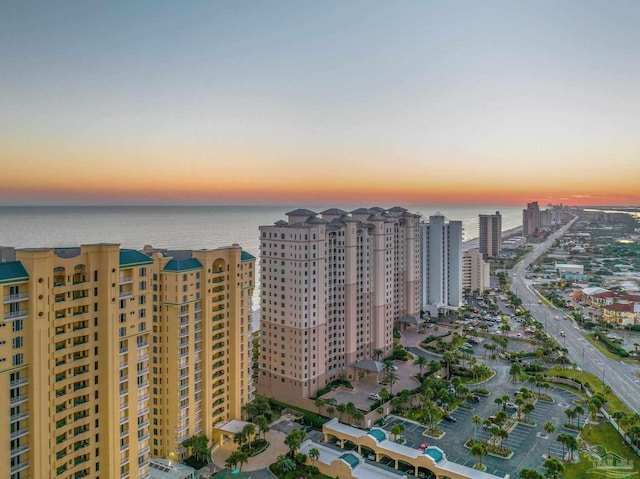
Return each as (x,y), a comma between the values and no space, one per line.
(111,356)
(441,257)
(332,286)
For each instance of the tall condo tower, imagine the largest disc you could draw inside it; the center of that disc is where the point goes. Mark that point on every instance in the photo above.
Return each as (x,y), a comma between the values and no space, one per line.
(490,234)
(441,257)
(531,219)
(332,285)
(110,356)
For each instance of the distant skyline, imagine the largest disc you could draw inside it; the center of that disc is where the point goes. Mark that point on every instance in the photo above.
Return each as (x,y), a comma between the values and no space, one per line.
(235,102)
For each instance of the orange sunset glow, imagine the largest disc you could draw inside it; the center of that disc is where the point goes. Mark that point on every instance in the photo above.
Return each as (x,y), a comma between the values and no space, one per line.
(410,104)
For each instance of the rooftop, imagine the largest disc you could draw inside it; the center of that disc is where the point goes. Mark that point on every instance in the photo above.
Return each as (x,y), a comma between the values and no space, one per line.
(11,271)
(131,257)
(183,265)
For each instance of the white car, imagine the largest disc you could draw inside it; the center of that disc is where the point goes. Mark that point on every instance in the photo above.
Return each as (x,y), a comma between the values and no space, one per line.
(375,397)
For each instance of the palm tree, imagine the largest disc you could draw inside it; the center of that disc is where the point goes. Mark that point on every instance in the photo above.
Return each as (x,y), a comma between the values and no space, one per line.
(421,362)
(530,474)
(476,420)
(449,357)
(293,441)
(579,412)
(554,468)
(341,408)
(528,409)
(571,413)
(549,428)
(478,450)
(377,354)
(498,401)
(320,403)
(392,378)
(248,431)
(572,445)
(502,435)
(314,454)
(396,430)
(263,425)
(242,458)
(563,439)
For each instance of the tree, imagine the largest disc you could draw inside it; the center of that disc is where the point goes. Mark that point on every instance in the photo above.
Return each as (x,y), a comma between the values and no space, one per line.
(571,413)
(421,362)
(263,425)
(199,446)
(528,409)
(530,474)
(563,439)
(377,354)
(502,434)
(320,403)
(553,467)
(498,401)
(391,378)
(549,428)
(285,464)
(514,371)
(293,441)
(314,454)
(249,430)
(341,408)
(396,430)
(478,450)
(449,357)
(572,445)
(242,458)
(476,420)
(579,412)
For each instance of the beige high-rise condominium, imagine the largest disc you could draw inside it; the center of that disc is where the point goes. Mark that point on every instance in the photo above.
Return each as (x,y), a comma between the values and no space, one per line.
(109,356)
(490,235)
(531,219)
(332,285)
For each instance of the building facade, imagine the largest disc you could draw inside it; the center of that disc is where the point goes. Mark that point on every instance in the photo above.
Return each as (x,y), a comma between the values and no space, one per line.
(490,234)
(105,355)
(332,285)
(475,271)
(531,219)
(441,257)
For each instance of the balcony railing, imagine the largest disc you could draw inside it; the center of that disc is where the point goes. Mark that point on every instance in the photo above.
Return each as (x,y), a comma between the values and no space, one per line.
(12,298)
(13,315)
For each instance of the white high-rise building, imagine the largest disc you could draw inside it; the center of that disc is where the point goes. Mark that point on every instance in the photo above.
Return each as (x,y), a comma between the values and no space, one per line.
(332,285)
(475,271)
(441,264)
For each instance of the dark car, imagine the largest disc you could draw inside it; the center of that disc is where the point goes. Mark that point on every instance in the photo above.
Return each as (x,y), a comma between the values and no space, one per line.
(450,418)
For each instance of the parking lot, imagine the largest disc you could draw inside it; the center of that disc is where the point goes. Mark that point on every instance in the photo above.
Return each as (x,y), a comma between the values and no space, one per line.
(529,443)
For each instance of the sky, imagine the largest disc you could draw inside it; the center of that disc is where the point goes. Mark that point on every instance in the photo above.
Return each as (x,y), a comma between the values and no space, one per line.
(413,102)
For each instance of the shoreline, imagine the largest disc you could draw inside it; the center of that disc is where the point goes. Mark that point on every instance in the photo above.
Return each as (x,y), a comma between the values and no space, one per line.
(475,242)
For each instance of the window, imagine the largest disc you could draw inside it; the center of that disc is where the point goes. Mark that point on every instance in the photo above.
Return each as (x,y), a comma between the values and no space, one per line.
(18,342)
(123,332)
(143,272)
(18,359)
(17,325)
(143,286)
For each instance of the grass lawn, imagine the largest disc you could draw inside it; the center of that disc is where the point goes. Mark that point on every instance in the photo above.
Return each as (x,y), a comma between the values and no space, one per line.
(603,434)
(606,352)
(613,403)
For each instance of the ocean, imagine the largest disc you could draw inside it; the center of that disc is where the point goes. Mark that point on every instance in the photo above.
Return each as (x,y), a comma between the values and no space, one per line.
(183,227)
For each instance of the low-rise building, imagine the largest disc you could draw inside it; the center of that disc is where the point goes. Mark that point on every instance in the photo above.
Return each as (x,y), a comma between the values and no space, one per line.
(622,314)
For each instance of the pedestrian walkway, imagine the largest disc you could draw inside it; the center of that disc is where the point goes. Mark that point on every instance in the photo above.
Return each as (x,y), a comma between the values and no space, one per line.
(276,448)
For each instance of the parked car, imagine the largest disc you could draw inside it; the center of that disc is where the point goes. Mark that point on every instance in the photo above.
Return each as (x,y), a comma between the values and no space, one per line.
(375,397)
(449,418)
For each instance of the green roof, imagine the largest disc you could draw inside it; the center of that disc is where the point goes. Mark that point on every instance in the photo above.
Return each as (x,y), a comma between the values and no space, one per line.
(350,459)
(11,271)
(131,257)
(183,264)
(434,453)
(247,256)
(377,434)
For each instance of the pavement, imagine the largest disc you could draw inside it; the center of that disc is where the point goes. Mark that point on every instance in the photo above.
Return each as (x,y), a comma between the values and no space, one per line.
(259,463)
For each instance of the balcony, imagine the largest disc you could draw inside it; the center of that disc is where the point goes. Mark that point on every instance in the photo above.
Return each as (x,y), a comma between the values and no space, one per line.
(13,315)
(20,417)
(19,450)
(14,401)
(125,279)
(14,298)
(142,357)
(19,382)
(126,294)
(19,467)
(19,433)
(181,429)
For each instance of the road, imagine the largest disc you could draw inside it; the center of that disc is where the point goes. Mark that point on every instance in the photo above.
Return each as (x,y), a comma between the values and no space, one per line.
(619,375)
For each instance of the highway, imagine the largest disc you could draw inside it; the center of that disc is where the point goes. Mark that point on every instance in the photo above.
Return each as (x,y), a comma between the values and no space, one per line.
(620,376)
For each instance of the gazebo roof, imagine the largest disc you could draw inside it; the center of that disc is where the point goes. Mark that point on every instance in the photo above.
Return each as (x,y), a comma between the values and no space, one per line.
(410,320)
(369,365)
